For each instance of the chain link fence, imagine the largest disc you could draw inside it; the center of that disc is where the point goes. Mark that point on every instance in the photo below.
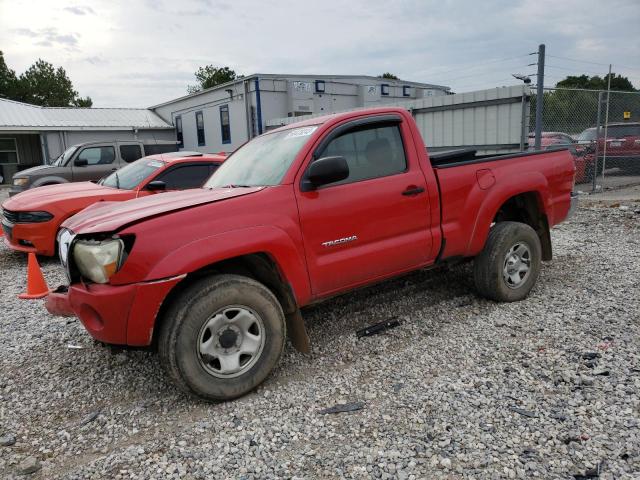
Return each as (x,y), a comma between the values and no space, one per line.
(601,129)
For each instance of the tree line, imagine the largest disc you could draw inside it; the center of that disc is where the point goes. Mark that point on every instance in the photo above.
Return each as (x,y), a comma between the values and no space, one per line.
(41,84)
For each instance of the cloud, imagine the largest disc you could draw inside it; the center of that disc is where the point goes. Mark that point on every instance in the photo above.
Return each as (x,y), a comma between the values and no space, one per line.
(143,53)
(49,37)
(80,10)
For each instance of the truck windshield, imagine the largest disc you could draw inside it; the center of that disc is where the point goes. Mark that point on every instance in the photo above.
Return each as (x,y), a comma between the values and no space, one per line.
(129,177)
(262,161)
(64,157)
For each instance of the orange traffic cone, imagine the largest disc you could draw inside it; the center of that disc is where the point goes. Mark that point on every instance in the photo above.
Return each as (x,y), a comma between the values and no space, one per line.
(36,285)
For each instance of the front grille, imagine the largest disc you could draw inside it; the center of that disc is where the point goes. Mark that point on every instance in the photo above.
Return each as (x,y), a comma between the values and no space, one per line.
(10,216)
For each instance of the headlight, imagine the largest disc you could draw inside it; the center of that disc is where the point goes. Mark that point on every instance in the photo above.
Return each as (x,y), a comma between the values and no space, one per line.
(20,182)
(34,217)
(98,260)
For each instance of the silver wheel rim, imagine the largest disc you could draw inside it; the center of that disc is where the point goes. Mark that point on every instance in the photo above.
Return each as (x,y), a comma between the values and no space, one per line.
(517,265)
(231,341)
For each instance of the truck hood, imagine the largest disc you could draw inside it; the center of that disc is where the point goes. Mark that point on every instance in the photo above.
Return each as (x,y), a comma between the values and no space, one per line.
(107,217)
(40,171)
(41,197)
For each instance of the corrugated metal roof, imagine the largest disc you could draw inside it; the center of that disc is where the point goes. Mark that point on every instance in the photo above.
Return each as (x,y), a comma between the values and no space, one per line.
(20,116)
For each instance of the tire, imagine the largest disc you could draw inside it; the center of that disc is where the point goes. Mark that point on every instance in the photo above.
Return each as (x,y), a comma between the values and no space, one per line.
(202,316)
(495,268)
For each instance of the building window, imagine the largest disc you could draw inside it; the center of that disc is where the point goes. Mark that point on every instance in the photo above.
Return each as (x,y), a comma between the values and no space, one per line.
(406,91)
(320,86)
(8,150)
(200,128)
(384,89)
(225,124)
(179,135)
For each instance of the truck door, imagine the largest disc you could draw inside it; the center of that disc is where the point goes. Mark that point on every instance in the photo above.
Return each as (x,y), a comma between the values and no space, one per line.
(100,160)
(374,223)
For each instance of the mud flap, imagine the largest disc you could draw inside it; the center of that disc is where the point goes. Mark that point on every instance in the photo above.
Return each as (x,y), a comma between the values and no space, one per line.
(298,332)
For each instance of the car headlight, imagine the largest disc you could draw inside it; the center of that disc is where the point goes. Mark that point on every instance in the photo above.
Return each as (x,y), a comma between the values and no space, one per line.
(20,182)
(34,217)
(98,260)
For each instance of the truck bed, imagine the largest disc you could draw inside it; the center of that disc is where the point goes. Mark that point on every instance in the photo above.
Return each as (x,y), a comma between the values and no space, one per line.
(473,188)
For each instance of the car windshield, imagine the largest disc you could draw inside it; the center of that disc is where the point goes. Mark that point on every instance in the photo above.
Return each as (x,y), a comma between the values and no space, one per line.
(129,177)
(588,135)
(262,161)
(64,157)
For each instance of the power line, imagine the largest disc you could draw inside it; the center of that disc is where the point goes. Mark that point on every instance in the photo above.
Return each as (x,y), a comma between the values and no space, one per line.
(593,63)
(469,67)
(575,70)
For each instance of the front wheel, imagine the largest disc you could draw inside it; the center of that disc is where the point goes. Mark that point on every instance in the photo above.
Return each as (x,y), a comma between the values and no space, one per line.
(222,337)
(507,268)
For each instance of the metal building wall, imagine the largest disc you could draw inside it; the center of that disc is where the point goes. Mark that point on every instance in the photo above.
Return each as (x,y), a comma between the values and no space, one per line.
(492,121)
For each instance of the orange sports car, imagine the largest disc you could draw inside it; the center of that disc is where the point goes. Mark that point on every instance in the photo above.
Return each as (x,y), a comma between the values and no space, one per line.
(31,219)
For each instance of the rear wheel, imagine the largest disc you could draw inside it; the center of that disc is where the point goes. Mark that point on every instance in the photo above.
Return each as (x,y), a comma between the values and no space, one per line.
(222,337)
(507,268)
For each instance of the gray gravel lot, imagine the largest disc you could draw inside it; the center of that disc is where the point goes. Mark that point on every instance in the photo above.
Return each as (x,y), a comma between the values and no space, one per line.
(547,388)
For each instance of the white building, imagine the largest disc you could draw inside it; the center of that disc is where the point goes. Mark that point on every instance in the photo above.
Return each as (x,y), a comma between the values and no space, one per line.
(31,135)
(224,117)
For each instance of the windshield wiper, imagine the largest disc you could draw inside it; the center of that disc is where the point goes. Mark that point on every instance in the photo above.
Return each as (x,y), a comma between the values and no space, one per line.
(117,180)
(237,185)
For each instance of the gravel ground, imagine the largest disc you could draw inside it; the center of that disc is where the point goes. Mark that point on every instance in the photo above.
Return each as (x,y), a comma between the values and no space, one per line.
(548,387)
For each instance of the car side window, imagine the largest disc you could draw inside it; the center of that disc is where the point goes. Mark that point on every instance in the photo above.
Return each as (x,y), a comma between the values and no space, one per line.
(130,153)
(98,155)
(185,176)
(371,152)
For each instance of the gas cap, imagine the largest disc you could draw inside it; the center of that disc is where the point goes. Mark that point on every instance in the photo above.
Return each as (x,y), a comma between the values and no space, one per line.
(485,178)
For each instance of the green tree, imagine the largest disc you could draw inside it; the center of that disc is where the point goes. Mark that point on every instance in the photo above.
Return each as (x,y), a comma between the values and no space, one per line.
(618,82)
(388,75)
(8,80)
(210,76)
(85,102)
(44,85)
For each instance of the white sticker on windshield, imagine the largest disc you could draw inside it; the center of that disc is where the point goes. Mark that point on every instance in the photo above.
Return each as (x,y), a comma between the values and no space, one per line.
(154,164)
(301,132)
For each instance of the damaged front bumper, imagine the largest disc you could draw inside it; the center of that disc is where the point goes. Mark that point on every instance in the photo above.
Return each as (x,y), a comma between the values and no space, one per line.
(114,314)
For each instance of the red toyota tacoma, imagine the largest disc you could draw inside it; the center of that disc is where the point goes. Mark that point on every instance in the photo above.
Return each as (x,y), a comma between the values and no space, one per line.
(215,278)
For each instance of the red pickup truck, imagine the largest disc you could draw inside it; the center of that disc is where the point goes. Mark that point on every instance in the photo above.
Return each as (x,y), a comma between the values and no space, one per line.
(295,216)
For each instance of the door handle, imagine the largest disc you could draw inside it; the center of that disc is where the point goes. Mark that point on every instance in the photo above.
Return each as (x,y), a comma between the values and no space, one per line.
(113,169)
(413,190)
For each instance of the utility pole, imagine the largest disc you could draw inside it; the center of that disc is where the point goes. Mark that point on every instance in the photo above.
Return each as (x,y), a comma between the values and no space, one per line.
(539,96)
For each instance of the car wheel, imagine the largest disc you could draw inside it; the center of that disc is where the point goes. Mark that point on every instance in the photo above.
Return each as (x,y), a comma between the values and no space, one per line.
(221,337)
(507,268)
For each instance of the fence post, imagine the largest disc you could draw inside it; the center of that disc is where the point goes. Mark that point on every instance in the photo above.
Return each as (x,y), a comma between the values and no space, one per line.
(524,131)
(606,126)
(595,161)
(539,96)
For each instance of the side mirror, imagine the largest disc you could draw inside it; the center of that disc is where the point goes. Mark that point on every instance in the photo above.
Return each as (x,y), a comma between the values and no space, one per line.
(156,186)
(80,162)
(324,171)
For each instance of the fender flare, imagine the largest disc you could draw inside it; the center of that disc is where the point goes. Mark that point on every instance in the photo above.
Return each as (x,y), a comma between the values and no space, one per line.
(270,240)
(528,182)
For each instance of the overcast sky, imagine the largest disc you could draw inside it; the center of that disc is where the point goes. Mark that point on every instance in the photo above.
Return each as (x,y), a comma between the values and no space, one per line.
(138,53)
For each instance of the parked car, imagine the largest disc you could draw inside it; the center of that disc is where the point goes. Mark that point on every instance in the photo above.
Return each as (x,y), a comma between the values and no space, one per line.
(552,140)
(87,161)
(623,145)
(295,216)
(31,220)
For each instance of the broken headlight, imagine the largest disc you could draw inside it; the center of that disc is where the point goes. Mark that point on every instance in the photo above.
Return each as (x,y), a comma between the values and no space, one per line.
(98,260)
